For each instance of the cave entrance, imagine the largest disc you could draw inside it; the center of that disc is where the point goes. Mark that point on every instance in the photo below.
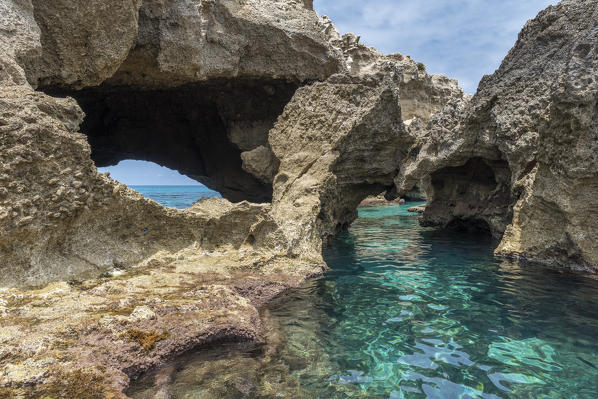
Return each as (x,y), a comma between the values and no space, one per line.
(199,130)
(165,186)
(473,197)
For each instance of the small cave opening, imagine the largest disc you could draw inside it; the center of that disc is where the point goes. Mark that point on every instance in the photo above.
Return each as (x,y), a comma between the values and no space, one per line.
(473,197)
(199,130)
(471,225)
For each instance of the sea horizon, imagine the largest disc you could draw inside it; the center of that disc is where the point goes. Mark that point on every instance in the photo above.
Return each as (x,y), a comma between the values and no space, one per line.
(166,185)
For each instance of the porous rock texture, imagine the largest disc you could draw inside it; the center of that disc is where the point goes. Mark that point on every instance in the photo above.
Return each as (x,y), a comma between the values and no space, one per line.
(101,284)
(83,42)
(19,40)
(325,140)
(204,130)
(521,158)
(294,124)
(421,94)
(183,41)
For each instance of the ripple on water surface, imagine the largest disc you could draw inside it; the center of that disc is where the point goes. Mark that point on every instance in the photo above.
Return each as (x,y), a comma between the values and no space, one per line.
(409,312)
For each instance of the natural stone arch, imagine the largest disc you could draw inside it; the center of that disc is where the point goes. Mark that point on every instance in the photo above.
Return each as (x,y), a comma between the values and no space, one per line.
(200,130)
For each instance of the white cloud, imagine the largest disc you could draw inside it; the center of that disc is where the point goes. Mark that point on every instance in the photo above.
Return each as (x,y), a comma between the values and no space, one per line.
(464,39)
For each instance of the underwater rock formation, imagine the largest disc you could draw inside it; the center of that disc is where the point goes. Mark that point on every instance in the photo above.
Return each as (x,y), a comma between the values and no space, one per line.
(521,158)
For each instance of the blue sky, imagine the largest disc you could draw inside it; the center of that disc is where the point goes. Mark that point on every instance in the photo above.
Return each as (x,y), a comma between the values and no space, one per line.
(463,39)
(142,173)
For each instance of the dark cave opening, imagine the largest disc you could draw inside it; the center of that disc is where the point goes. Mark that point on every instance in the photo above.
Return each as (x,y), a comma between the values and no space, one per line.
(471,225)
(473,197)
(199,130)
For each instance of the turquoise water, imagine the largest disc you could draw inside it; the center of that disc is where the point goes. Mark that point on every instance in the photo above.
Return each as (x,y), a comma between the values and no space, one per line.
(176,196)
(409,312)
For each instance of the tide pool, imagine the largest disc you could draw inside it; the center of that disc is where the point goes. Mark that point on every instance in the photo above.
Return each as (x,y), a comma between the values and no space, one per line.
(409,312)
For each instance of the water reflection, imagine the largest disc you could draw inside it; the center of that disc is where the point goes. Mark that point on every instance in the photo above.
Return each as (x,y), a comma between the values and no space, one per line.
(409,312)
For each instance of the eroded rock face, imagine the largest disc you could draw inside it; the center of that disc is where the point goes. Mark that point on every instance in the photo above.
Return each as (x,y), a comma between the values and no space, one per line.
(149,280)
(60,219)
(260,100)
(338,142)
(83,41)
(421,94)
(165,43)
(536,115)
(19,40)
(182,41)
(199,130)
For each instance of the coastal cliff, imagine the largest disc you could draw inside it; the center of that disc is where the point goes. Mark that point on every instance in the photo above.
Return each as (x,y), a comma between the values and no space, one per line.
(295,125)
(520,159)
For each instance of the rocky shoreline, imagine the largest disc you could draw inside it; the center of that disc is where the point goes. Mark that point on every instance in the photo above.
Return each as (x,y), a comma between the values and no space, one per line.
(89,339)
(295,125)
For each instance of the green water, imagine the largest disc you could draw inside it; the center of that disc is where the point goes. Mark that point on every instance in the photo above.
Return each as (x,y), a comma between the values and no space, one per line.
(409,312)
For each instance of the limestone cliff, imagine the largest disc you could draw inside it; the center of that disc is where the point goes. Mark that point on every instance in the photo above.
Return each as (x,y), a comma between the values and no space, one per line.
(196,86)
(325,140)
(521,158)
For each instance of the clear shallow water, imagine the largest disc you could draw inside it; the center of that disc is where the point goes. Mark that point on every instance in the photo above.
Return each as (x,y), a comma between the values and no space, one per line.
(408,312)
(176,196)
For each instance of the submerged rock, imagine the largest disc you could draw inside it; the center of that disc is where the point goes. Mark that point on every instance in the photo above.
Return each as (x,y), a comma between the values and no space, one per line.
(380,200)
(417,209)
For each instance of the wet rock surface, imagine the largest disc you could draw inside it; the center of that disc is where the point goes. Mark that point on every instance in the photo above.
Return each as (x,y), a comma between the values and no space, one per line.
(417,209)
(115,328)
